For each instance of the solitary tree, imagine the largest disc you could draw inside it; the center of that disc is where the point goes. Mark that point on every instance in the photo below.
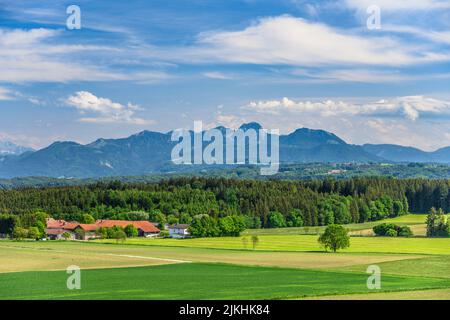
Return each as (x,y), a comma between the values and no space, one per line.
(245,242)
(255,241)
(335,237)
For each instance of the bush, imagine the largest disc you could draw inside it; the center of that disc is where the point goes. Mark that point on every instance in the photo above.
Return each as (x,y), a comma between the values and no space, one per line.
(79,234)
(102,233)
(33,233)
(382,229)
(164,234)
(405,231)
(19,233)
(392,230)
(391,233)
(66,235)
(119,235)
(131,231)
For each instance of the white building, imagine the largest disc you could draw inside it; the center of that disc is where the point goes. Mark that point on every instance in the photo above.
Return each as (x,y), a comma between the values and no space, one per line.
(178,230)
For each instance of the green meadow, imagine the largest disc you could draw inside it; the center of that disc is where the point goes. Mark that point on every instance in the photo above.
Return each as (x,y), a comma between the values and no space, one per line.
(282,266)
(306,243)
(200,281)
(409,220)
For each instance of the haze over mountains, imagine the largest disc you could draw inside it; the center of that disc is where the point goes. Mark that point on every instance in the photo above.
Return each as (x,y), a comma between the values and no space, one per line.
(150,152)
(9,148)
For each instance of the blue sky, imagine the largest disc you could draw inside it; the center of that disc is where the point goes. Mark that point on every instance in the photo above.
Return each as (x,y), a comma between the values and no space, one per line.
(159,65)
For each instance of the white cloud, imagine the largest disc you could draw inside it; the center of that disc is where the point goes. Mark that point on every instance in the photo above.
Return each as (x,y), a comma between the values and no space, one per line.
(294,41)
(357,122)
(432,35)
(410,107)
(6,94)
(36,101)
(353,75)
(218,75)
(106,110)
(38,55)
(398,5)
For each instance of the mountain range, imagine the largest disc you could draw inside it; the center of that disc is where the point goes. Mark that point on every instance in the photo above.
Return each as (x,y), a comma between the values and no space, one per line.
(150,152)
(9,148)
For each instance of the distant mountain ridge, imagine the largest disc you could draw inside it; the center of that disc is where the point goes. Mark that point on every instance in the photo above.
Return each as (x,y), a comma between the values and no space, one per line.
(150,152)
(9,148)
(397,153)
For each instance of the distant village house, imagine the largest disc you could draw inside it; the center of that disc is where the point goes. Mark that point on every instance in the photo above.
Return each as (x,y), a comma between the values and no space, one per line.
(58,229)
(178,230)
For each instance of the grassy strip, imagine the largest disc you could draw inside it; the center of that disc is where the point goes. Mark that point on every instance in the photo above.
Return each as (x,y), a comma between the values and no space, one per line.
(305,243)
(200,281)
(409,220)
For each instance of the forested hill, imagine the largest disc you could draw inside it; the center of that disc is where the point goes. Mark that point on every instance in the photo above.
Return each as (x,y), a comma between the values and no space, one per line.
(292,203)
(306,171)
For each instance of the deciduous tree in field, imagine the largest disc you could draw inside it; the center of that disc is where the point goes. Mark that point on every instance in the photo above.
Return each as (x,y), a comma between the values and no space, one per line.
(255,241)
(335,237)
(244,242)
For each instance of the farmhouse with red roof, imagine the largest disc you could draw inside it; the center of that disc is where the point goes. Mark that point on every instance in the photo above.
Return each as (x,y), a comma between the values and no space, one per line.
(56,228)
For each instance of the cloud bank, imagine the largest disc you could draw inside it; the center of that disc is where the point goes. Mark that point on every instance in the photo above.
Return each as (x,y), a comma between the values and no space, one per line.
(409,107)
(106,111)
(287,40)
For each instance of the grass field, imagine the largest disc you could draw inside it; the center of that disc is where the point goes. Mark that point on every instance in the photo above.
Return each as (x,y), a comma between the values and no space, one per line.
(283,266)
(44,256)
(199,281)
(409,220)
(307,243)
(436,266)
(433,294)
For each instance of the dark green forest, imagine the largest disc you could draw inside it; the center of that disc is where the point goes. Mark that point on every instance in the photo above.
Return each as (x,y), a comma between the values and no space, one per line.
(260,204)
(299,171)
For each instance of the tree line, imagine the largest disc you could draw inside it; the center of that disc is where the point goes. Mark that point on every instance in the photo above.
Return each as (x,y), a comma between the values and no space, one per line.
(207,201)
